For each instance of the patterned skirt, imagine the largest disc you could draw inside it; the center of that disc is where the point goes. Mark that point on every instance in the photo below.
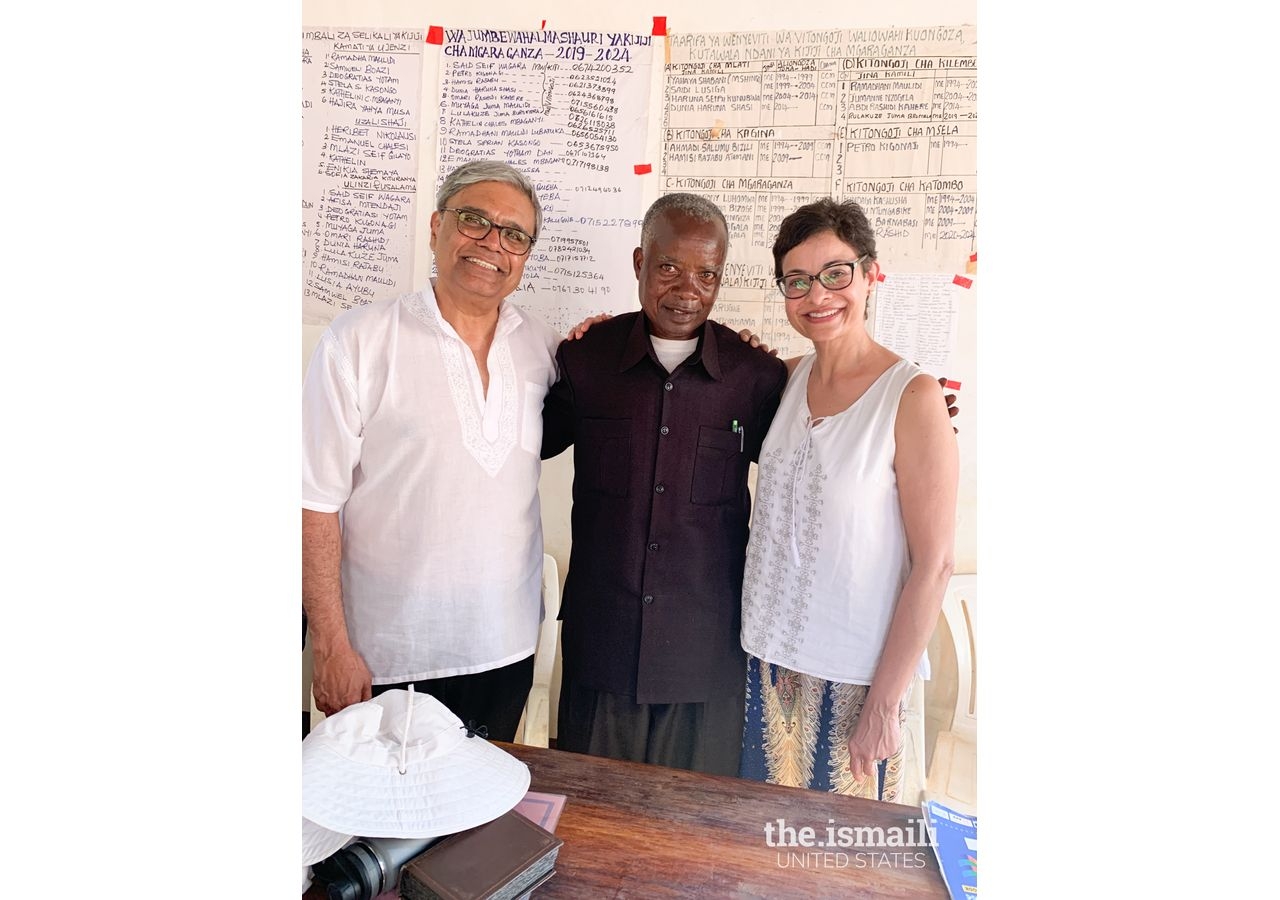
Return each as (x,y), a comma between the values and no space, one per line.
(797,734)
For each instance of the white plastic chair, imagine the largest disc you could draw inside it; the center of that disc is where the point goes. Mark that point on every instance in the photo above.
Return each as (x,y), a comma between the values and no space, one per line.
(953,773)
(534,728)
(913,747)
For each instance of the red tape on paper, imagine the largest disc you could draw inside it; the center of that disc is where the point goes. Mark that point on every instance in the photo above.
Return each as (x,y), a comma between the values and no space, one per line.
(973,257)
(660,26)
(880,277)
(953,385)
(435,34)
(644,169)
(962,281)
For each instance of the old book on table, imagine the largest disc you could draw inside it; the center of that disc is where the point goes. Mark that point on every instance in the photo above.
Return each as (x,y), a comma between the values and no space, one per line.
(499,860)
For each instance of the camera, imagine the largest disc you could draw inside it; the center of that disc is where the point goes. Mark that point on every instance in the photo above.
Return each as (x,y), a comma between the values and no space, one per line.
(367,867)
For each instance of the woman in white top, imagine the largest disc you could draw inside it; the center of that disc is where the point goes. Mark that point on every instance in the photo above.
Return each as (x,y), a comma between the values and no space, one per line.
(852,538)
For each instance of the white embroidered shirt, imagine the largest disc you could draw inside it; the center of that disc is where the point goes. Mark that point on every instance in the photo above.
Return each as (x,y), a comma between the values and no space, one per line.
(437,484)
(827,557)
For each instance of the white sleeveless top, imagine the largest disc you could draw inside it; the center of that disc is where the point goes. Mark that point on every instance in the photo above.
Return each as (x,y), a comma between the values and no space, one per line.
(828,555)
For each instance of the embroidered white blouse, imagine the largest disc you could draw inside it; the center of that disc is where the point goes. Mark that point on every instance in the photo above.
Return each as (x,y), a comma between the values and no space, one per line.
(827,557)
(436,483)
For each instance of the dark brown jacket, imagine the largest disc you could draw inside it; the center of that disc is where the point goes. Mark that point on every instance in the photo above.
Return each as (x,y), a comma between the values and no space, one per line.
(653,599)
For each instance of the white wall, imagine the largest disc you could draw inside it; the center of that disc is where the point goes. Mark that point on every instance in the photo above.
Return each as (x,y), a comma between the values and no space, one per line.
(709,16)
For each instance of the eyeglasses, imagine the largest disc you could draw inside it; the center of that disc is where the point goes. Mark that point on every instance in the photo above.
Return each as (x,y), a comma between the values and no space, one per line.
(476,227)
(833,278)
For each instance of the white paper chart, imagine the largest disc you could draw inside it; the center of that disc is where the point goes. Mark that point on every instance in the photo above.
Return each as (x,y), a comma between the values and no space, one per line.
(360,132)
(916,318)
(569,109)
(763,122)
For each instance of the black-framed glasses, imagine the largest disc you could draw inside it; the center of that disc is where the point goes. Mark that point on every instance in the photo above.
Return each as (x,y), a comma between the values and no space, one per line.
(834,277)
(476,226)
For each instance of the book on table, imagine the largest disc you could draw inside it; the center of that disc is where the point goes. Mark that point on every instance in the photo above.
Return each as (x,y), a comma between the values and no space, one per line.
(955,843)
(542,809)
(499,860)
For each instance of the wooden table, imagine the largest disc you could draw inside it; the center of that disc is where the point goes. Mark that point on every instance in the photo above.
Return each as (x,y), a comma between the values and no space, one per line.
(639,831)
(632,830)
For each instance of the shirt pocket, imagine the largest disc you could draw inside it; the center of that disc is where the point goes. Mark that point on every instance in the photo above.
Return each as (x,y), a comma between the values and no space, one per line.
(602,456)
(532,395)
(717,467)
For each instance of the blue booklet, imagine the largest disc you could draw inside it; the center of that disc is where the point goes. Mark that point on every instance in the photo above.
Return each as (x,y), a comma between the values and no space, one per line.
(955,842)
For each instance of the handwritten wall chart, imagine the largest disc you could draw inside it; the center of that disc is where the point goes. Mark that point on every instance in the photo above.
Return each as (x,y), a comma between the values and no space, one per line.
(916,318)
(570,110)
(360,132)
(762,122)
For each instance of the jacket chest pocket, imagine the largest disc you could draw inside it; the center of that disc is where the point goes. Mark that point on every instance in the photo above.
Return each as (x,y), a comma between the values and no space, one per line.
(602,456)
(718,468)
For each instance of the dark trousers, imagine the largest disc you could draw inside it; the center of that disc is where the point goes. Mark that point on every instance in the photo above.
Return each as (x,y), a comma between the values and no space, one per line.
(494,699)
(703,737)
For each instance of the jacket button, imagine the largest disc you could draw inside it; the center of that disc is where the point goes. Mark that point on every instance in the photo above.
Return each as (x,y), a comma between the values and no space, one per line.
(660,488)
(668,386)
(664,430)
(653,546)
(648,598)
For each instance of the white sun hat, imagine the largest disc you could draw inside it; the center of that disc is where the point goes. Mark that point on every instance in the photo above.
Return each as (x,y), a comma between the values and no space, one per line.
(402,765)
(320,843)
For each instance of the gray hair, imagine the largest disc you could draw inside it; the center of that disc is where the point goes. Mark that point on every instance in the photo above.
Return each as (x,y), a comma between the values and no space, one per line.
(694,206)
(480,170)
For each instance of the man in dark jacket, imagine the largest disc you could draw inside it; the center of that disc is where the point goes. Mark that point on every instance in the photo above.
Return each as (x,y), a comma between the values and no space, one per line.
(666,410)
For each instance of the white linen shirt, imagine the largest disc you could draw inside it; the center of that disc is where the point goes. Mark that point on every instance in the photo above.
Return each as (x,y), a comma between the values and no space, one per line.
(437,484)
(828,555)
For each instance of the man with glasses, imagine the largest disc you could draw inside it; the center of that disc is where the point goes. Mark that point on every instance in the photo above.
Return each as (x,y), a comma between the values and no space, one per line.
(421,530)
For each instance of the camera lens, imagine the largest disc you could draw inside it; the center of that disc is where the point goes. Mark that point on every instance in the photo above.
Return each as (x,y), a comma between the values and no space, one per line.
(352,873)
(368,867)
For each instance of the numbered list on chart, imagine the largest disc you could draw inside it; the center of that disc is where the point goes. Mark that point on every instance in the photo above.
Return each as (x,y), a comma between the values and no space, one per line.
(569,109)
(360,131)
(764,122)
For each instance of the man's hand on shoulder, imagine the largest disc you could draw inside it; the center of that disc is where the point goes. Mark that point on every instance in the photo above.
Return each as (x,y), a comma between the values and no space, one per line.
(950,400)
(749,337)
(582,327)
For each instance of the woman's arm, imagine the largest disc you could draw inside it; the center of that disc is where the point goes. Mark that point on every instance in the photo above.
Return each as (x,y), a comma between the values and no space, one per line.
(927,467)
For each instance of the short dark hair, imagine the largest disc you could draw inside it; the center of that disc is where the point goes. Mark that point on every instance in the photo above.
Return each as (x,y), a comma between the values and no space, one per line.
(695,206)
(845,220)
